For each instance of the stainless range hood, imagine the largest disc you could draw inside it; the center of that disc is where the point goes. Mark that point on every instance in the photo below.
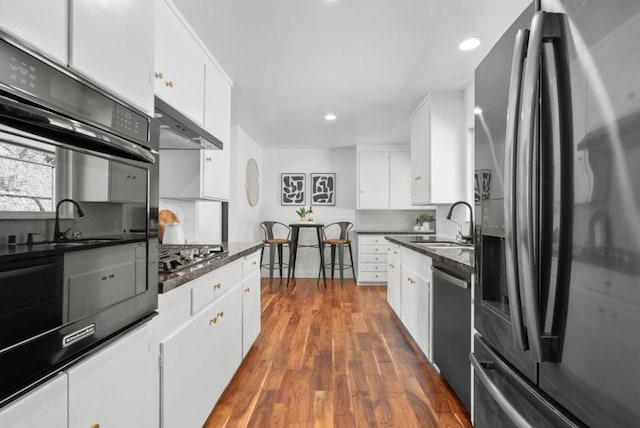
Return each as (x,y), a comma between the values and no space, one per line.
(177,131)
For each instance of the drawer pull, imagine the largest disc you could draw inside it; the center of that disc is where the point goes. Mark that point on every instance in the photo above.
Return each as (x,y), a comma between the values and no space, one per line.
(209,159)
(159,75)
(246,290)
(417,178)
(221,314)
(95,426)
(217,286)
(392,265)
(113,275)
(254,263)
(169,84)
(213,320)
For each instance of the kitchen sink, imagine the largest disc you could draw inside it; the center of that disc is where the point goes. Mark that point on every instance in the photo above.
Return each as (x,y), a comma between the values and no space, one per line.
(74,243)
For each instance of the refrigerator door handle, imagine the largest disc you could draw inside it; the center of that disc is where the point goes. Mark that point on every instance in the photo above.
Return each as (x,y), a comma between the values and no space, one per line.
(545,27)
(527,152)
(513,111)
(495,392)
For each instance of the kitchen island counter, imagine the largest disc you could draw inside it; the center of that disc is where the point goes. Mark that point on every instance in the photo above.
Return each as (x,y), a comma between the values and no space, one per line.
(457,258)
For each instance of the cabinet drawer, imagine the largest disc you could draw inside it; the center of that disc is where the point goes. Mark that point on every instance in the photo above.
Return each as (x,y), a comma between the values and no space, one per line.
(250,264)
(372,240)
(373,267)
(373,258)
(365,277)
(214,285)
(373,249)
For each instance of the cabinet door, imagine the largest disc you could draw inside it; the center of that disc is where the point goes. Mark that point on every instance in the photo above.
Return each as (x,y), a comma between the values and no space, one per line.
(41,23)
(373,170)
(179,64)
(409,301)
(394,281)
(180,173)
(217,103)
(45,406)
(112,44)
(127,183)
(216,174)
(199,360)
(420,155)
(423,316)
(114,387)
(400,180)
(250,310)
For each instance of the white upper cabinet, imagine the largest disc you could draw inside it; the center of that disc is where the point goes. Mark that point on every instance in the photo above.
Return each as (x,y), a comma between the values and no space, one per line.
(217,103)
(112,44)
(384,177)
(373,179)
(438,150)
(179,64)
(43,24)
(400,180)
(194,174)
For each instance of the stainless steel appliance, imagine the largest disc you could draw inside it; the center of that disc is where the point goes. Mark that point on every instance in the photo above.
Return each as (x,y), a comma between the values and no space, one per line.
(177,131)
(557,305)
(452,327)
(173,258)
(78,218)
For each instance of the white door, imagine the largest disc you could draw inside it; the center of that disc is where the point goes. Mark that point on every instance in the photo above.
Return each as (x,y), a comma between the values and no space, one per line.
(43,24)
(112,44)
(250,310)
(400,180)
(216,175)
(373,170)
(114,388)
(179,64)
(217,103)
(45,406)
(199,360)
(420,155)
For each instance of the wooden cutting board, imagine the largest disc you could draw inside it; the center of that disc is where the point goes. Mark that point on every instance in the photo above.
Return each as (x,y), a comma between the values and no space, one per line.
(165,216)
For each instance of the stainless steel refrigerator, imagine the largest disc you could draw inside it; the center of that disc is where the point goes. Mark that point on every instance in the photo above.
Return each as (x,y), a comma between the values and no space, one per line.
(557,301)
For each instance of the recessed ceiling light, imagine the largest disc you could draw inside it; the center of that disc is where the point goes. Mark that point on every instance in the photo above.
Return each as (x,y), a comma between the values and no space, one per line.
(469,44)
(330,117)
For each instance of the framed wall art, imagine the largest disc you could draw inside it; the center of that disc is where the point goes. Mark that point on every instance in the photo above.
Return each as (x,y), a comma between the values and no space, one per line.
(293,188)
(323,188)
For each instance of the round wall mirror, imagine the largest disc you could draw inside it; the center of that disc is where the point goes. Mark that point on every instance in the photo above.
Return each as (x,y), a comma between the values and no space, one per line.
(252,182)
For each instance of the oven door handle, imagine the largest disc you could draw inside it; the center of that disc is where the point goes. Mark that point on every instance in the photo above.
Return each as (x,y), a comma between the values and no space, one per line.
(23,120)
(449,278)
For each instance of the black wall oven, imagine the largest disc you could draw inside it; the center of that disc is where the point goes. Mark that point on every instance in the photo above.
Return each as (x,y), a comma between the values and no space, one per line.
(78,218)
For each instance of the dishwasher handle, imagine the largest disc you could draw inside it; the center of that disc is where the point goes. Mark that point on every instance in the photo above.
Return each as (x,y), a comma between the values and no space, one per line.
(450,278)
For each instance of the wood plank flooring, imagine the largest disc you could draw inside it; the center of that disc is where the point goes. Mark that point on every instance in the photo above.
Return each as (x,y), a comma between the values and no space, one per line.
(334,357)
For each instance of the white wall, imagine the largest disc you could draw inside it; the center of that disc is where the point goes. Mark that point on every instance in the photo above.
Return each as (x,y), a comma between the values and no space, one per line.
(341,161)
(243,218)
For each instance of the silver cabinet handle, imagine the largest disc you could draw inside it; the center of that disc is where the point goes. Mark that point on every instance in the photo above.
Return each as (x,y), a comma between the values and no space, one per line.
(449,278)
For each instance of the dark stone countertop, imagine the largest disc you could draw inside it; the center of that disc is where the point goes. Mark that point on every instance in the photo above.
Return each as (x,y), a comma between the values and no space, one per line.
(457,258)
(23,251)
(236,250)
(394,232)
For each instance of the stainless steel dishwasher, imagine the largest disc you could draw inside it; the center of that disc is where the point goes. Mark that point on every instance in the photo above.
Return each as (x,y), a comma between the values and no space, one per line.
(452,328)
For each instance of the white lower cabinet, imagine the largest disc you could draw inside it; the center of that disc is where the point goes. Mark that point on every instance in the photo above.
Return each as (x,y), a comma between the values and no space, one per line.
(416,298)
(199,360)
(114,387)
(45,406)
(394,278)
(251,309)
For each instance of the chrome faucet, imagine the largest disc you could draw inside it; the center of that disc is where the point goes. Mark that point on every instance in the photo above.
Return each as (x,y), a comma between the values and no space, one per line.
(61,236)
(468,238)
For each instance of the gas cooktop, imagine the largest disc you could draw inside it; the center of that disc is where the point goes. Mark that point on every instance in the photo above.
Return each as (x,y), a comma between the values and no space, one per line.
(173,258)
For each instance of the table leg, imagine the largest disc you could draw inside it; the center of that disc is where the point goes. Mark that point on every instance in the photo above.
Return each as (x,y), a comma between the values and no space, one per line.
(321,247)
(293,250)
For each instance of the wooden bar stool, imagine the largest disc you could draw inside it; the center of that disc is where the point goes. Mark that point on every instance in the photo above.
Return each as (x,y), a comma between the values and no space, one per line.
(337,236)
(276,236)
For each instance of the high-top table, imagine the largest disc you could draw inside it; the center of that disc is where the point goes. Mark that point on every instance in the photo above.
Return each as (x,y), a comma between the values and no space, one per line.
(293,253)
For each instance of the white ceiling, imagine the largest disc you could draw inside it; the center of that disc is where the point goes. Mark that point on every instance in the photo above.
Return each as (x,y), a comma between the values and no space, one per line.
(368,61)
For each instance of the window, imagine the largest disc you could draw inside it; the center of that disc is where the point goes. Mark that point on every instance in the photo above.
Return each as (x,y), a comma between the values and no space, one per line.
(27,177)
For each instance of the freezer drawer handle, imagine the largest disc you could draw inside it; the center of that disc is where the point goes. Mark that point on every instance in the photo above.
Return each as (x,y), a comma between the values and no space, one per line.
(496,394)
(449,278)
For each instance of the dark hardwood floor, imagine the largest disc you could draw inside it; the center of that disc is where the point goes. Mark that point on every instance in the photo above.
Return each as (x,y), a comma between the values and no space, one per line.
(334,357)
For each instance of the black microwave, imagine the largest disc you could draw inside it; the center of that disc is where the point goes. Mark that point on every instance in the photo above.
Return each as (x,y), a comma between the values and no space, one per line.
(78,218)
